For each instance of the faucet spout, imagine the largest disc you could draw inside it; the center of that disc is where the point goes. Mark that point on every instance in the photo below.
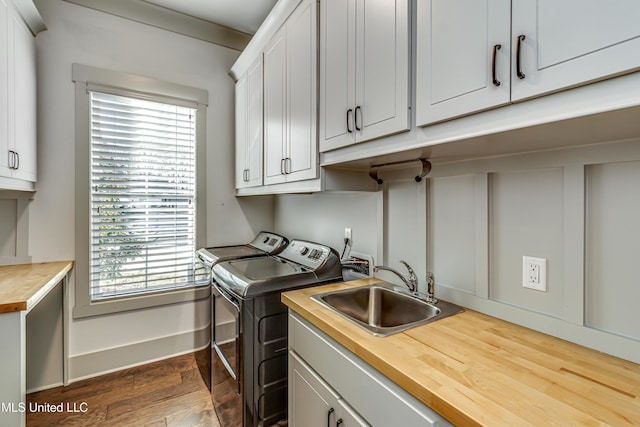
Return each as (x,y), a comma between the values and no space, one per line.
(411,282)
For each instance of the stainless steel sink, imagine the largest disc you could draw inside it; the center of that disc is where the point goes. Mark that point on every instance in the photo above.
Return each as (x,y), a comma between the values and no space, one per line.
(384,309)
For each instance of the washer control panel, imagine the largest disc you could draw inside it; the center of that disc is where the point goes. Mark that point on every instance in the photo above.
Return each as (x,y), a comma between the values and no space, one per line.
(271,243)
(308,254)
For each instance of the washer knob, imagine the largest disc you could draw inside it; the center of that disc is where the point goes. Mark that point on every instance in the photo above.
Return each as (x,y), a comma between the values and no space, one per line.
(303,250)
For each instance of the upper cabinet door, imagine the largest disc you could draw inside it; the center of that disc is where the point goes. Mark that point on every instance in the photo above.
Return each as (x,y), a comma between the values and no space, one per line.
(337,73)
(290,99)
(4,94)
(364,70)
(254,124)
(463,57)
(275,108)
(302,64)
(382,68)
(572,42)
(242,142)
(249,127)
(22,98)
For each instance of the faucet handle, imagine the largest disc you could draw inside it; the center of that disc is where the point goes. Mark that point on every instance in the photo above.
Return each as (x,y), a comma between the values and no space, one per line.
(409,269)
(431,288)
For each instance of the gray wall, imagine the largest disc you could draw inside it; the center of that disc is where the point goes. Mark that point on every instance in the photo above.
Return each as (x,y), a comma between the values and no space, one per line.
(472,222)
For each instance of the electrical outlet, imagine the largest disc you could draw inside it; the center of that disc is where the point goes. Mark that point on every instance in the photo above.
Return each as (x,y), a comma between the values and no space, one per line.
(534,273)
(347,233)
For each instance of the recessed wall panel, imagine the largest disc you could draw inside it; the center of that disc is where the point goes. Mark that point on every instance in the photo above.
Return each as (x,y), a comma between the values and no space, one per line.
(8,224)
(526,214)
(613,248)
(451,237)
(404,228)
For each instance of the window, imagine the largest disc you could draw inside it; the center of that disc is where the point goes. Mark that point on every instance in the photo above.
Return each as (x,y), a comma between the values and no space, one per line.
(142,195)
(139,161)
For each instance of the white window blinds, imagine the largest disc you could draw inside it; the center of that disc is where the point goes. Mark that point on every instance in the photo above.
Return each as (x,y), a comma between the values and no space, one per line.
(143,186)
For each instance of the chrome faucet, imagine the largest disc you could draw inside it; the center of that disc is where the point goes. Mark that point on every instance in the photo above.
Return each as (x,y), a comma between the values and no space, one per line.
(411,282)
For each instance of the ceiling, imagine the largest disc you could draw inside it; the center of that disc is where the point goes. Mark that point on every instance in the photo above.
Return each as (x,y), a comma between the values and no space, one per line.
(241,15)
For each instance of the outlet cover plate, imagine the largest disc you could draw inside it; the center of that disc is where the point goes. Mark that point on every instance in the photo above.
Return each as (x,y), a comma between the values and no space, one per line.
(534,273)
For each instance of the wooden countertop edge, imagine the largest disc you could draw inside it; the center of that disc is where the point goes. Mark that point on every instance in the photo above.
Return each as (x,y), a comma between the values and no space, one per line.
(49,285)
(41,290)
(451,398)
(12,307)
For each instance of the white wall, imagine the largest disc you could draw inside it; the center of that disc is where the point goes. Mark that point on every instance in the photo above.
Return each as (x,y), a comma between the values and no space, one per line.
(80,35)
(322,218)
(388,224)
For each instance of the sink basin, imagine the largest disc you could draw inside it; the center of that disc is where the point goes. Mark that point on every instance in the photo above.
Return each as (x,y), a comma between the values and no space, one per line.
(384,309)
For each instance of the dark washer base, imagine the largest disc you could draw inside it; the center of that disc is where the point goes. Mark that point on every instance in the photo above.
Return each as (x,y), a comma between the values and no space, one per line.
(265,362)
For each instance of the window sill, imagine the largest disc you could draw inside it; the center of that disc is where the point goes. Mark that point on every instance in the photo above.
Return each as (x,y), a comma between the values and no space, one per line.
(118,305)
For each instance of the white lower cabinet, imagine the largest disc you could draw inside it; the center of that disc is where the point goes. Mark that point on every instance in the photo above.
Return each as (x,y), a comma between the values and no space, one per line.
(314,402)
(330,386)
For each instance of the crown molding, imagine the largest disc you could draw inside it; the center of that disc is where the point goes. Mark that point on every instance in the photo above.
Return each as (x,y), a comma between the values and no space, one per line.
(160,17)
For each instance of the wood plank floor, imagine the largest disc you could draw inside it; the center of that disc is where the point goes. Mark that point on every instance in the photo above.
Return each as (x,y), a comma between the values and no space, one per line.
(168,393)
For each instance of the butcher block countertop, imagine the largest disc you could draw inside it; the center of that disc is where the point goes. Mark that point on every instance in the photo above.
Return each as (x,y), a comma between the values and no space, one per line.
(477,370)
(23,286)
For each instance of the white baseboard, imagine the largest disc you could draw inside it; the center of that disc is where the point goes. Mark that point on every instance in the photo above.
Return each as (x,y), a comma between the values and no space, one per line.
(115,359)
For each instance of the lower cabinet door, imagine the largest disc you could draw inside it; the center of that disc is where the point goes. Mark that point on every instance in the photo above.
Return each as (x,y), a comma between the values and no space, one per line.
(313,403)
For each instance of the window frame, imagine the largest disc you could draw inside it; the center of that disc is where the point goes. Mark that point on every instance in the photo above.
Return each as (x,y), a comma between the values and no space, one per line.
(88,79)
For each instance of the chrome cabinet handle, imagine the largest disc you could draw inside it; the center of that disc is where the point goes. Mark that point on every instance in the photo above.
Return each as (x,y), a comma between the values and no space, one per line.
(14,160)
(340,421)
(329,412)
(519,72)
(355,115)
(285,166)
(349,114)
(496,47)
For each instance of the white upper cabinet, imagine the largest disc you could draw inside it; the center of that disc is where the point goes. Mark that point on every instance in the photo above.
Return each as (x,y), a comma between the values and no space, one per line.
(290,86)
(275,114)
(4,91)
(573,42)
(302,77)
(463,57)
(249,137)
(18,100)
(475,55)
(364,70)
